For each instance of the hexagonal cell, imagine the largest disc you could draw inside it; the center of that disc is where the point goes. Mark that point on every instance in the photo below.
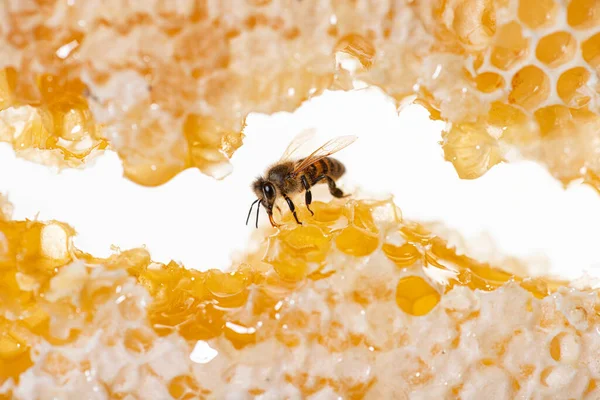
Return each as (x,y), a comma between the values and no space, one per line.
(553,119)
(569,84)
(530,87)
(510,46)
(537,13)
(357,46)
(471,150)
(488,82)
(583,14)
(556,48)
(590,50)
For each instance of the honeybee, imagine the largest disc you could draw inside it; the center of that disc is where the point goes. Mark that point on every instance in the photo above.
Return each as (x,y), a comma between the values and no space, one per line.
(287,177)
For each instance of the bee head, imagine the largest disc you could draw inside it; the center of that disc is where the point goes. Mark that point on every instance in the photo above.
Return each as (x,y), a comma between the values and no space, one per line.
(265,191)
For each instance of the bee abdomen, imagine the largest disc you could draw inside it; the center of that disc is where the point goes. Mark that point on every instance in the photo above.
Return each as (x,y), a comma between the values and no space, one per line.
(335,168)
(326,166)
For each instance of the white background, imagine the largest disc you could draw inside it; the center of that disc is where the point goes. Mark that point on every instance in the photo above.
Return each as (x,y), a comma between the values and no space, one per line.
(516,210)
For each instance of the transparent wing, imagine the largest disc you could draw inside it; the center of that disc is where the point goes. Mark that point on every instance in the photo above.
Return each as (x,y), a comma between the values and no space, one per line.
(300,139)
(329,148)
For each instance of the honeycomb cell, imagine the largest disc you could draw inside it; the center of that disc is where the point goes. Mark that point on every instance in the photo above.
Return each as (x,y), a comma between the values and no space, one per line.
(185,387)
(138,341)
(306,241)
(289,268)
(403,256)
(556,48)
(228,289)
(530,87)
(58,365)
(357,242)
(537,14)
(7,87)
(471,150)
(473,22)
(239,334)
(571,87)
(583,14)
(415,296)
(553,119)
(357,46)
(590,50)
(510,47)
(209,143)
(505,116)
(489,82)
(565,347)
(10,347)
(536,287)
(325,213)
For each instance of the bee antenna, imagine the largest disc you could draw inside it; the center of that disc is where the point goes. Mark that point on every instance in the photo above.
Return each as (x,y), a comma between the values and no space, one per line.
(250,212)
(257,211)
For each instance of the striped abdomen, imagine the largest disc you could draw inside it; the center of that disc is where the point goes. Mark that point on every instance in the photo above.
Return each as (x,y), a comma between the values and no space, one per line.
(326,166)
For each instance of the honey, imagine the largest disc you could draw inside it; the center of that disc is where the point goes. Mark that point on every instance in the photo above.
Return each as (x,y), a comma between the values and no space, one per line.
(169,87)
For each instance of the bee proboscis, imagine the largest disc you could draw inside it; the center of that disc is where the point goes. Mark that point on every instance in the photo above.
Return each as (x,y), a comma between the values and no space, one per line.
(288,177)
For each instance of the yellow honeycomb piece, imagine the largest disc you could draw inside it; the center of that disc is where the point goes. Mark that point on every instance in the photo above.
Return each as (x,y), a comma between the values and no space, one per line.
(168,86)
(126,327)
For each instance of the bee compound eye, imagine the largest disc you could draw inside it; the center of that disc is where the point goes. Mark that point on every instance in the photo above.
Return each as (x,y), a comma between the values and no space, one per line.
(269,191)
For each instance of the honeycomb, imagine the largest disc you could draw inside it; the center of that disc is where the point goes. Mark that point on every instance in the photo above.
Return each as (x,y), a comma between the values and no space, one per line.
(355,303)
(168,84)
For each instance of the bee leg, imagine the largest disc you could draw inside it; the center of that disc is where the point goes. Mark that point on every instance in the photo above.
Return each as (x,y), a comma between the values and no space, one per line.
(307,194)
(333,189)
(292,208)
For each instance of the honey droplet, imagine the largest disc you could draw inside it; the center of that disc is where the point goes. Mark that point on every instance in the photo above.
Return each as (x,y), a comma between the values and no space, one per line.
(415,296)
(556,49)
(530,87)
(150,173)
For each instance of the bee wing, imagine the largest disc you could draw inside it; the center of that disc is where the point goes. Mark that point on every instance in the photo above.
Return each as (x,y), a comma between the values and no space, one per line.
(329,148)
(300,139)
